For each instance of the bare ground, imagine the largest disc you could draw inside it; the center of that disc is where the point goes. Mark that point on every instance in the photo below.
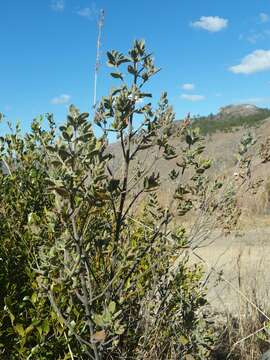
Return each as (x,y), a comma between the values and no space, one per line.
(243,259)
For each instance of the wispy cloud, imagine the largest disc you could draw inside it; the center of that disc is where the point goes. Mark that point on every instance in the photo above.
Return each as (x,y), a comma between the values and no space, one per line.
(88,12)
(188,86)
(61,99)
(58,5)
(258,60)
(254,36)
(211,23)
(192,97)
(264,18)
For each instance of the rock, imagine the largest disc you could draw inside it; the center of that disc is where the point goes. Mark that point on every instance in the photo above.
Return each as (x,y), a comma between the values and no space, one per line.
(266,355)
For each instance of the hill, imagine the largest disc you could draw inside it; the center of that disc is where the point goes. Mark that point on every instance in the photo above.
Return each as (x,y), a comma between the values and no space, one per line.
(231,118)
(223,132)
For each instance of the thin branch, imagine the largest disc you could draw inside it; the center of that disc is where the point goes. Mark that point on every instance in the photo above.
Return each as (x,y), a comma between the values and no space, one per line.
(69,348)
(64,321)
(134,199)
(84,289)
(6,166)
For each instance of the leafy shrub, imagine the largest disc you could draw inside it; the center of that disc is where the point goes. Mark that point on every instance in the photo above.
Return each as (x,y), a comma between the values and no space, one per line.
(82,275)
(23,314)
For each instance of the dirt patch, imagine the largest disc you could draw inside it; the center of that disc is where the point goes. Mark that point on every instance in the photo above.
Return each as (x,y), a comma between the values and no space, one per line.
(243,260)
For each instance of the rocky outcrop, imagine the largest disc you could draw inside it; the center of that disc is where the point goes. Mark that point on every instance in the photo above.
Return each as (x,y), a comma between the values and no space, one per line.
(242,110)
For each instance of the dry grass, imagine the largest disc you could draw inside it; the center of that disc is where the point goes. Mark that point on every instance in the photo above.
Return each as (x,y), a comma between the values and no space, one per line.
(243,260)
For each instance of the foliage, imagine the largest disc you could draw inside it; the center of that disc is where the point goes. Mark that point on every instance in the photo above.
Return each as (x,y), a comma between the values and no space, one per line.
(209,124)
(23,313)
(82,274)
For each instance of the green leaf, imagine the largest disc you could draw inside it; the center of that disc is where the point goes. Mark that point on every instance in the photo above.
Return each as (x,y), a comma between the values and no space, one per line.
(152,182)
(34,298)
(39,329)
(131,70)
(183,340)
(7,308)
(111,59)
(119,330)
(142,95)
(45,326)
(98,320)
(82,117)
(29,329)
(20,330)
(117,75)
(112,307)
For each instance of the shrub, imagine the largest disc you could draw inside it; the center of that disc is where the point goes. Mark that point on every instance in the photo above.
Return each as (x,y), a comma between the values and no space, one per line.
(84,276)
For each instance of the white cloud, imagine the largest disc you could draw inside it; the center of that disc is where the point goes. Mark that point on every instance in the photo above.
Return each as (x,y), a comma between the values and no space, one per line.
(258,60)
(88,12)
(264,18)
(188,86)
(192,97)
(61,99)
(211,23)
(58,5)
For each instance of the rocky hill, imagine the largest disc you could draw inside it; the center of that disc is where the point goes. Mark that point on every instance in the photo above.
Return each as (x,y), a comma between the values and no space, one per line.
(241,110)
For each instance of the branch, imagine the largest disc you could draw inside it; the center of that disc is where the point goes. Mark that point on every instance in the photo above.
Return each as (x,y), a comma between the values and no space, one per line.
(7,166)
(132,203)
(63,320)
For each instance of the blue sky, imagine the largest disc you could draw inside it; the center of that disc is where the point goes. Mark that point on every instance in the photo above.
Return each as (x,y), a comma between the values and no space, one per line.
(212,53)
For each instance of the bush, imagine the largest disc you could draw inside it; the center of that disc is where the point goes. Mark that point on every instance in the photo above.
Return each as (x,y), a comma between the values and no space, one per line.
(84,276)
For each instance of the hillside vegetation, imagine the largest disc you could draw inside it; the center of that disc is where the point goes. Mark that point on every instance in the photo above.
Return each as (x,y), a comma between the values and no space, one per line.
(230,122)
